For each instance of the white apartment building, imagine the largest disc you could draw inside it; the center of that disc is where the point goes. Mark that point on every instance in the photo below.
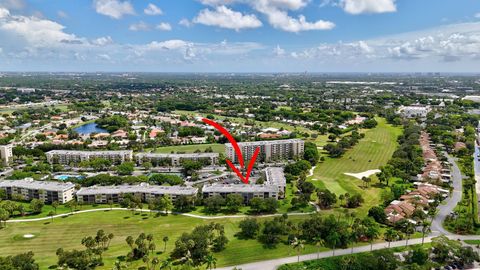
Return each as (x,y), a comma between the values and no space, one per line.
(104,194)
(46,191)
(71,156)
(273,187)
(414,111)
(6,154)
(176,159)
(269,150)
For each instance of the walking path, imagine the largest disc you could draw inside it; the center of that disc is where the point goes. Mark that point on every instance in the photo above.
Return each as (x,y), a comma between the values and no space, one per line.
(437,228)
(153,211)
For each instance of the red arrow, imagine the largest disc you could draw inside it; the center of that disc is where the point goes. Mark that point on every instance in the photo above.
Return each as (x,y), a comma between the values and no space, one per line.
(237,151)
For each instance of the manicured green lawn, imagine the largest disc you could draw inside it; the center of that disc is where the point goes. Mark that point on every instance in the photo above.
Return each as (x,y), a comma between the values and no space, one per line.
(68,232)
(190,148)
(370,153)
(472,242)
(61,209)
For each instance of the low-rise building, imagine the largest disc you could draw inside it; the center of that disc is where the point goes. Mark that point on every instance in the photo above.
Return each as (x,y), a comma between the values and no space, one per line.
(104,194)
(71,156)
(176,159)
(46,191)
(414,111)
(274,176)
(269,150)
(273,187)
(248,192)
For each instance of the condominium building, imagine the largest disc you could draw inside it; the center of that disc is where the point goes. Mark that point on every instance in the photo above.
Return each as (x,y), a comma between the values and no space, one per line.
(104,194)
(274,176)
(176,159)
(248,191)
(70,156)
(269,150)
(46,191)
(6,154)
(273,187)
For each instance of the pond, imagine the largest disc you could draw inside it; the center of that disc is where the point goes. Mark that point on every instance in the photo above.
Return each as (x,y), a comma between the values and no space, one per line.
(89,128)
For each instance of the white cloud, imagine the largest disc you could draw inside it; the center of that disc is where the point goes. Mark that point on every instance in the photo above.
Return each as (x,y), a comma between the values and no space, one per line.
(368,6)
(276,12)
(164,26)
(152,10)
(104,56)
(102,41)
(12,4)
(477,15)
(185,22)
(451,43)
(4,13)
(140,26)
(37,32)
(277,51)
(226,18)
(115,9)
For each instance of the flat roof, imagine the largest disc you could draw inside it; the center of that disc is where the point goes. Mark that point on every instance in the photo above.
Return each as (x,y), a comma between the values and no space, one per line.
(32,184)
(266,142)
(186,155)
(140,188)
(275,176)
(238,188)
(77,152)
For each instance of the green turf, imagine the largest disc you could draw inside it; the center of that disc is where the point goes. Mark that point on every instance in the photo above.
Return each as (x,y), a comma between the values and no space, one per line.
(472,242)
(68,232)
(370,153)
(190,148)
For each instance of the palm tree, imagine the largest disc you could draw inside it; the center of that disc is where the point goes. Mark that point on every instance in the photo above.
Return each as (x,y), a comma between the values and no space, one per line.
(165,240)
(298,245)
(210,261)
(167,264)
(333,239)
(318,243)
(155,262)
(55,206)
(390,236)
(119,266)
(146,260)
(425,230)
(409,230)
(110,237)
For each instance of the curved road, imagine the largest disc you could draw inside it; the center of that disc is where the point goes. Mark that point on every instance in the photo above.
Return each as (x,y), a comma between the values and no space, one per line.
(449,204)
(437,228)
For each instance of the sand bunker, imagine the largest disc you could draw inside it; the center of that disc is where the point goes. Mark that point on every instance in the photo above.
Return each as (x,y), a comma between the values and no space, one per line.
(363,174)
(28,236)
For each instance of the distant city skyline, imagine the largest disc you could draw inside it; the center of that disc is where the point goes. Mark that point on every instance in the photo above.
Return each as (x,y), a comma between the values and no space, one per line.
(291,36)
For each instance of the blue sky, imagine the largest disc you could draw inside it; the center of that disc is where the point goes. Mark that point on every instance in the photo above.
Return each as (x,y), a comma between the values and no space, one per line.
(240,35)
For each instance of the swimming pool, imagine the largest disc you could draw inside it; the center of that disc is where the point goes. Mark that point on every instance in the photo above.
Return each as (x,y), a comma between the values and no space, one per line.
(65,177)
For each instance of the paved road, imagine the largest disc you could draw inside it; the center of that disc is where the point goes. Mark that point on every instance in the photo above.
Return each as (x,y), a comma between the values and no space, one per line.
(437,229)
(449,204)
(274,264)
(476,157)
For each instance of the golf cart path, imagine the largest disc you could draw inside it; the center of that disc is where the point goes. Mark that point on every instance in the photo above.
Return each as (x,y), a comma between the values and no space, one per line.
(153,211)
